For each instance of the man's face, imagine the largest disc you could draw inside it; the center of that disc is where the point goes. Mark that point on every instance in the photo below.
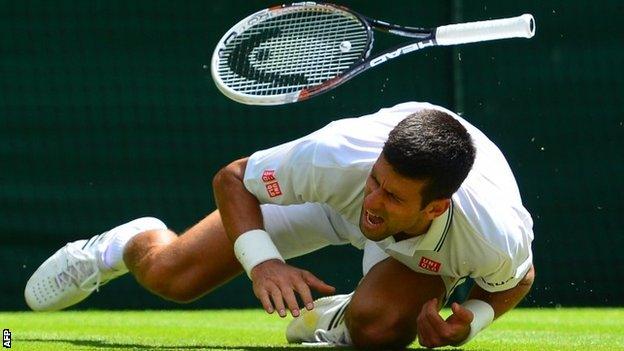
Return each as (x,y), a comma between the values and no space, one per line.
(392,204)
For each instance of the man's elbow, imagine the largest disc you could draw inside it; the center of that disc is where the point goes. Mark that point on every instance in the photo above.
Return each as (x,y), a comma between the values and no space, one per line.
(221,177)
(233,172)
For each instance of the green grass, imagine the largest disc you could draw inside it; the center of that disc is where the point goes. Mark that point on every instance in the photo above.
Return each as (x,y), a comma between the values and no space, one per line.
(521,329)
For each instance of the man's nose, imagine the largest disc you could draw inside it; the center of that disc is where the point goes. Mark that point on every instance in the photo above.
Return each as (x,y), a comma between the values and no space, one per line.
(374,199)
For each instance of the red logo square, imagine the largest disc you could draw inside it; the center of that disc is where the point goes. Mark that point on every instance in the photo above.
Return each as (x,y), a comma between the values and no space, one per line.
(274,189)
(268,176)
(429,264)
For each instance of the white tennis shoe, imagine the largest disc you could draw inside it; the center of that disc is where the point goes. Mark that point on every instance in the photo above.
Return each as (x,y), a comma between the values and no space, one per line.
(70,275)
(322,326)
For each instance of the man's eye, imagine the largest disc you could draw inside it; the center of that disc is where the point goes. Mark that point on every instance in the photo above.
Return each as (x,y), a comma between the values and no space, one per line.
(395,198)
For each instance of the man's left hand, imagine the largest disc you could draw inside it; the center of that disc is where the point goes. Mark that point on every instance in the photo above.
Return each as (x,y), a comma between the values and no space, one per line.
(433,331)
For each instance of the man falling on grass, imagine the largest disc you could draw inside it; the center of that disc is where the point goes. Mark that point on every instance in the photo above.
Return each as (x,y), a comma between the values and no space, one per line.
(427,196)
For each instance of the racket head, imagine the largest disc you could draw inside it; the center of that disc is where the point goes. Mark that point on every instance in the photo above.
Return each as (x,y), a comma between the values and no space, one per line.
(289,53)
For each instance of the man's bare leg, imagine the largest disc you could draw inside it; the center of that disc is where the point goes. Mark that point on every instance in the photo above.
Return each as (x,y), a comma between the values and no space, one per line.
(384,309)
(186,267)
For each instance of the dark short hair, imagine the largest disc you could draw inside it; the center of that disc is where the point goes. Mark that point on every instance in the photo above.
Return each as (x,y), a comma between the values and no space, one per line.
(433,146)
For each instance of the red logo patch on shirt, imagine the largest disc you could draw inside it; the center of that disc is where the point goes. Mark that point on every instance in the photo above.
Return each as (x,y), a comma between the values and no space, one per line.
(274,189)
(268,175)
(272,186)
(429,264)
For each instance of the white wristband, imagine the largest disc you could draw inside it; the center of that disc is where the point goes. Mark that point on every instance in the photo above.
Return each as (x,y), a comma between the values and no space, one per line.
(483,316)
(254,247)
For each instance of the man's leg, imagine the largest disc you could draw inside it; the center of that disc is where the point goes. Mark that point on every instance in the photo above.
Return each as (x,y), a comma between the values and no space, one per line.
(177,268)
(381,314)
(383,311)
(186,267)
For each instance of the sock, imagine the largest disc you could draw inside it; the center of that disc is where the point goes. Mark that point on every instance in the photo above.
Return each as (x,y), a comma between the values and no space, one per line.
(112,255)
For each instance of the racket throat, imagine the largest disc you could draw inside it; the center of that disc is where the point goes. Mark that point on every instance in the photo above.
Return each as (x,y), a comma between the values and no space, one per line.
(401,50)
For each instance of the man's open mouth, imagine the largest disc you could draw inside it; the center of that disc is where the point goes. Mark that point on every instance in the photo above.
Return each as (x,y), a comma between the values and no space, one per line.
(372,219)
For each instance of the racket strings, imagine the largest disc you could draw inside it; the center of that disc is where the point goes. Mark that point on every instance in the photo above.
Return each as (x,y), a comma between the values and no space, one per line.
(293,51)
(321,51)
(295,42)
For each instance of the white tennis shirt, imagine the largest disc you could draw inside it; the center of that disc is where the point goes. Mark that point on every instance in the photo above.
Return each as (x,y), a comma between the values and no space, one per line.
(486,234)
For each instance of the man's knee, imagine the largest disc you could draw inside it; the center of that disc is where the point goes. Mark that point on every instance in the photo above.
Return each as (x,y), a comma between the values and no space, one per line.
(371,326)
(139,251)
(158,271)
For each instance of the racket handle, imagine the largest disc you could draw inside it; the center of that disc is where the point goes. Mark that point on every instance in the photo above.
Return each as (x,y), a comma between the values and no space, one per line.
(462,33)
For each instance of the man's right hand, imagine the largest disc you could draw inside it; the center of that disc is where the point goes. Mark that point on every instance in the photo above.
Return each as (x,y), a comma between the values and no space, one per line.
(275,284)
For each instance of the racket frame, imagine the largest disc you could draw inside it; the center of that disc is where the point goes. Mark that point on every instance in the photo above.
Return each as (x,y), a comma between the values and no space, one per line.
(421,38)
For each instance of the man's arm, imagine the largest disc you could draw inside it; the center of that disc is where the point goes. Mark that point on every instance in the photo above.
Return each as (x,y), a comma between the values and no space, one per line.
(504,301)
(433,331)
(274,282)
(239,209)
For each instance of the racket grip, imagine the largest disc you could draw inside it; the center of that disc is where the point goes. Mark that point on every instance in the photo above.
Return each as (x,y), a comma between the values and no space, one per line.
(462,33)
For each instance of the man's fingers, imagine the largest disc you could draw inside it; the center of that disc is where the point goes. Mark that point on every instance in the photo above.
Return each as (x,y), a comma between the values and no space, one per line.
(264,298)
(291,301)
(278,302)
(305,294)
(434,317)
(428,335)
(276,285)
(433,331)
(317,284)
(425,310)
(431,310)
(462,314)
(425,330)
(433,303)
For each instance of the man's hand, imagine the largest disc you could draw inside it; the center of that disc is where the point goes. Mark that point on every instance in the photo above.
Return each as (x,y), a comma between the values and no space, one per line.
(433,331)
(275,283)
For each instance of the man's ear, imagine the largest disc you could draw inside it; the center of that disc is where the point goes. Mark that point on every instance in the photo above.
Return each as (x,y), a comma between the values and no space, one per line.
(436,208)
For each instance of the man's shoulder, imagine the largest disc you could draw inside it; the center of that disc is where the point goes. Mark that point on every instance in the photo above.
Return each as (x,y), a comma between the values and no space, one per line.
(496,221)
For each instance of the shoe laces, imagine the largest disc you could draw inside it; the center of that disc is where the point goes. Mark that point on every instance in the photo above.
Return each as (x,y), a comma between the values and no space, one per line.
(80,268)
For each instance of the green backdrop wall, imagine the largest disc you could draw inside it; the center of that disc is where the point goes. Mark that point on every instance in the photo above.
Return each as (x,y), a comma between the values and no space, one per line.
(107,114)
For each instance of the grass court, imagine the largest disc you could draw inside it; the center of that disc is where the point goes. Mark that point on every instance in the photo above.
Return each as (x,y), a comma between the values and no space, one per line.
(254,330)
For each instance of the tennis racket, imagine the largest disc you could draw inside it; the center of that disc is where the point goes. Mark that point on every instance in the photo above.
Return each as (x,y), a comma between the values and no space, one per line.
(290,53)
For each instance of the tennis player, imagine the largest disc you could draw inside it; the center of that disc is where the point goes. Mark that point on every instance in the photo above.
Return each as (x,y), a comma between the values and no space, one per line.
(427,196)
